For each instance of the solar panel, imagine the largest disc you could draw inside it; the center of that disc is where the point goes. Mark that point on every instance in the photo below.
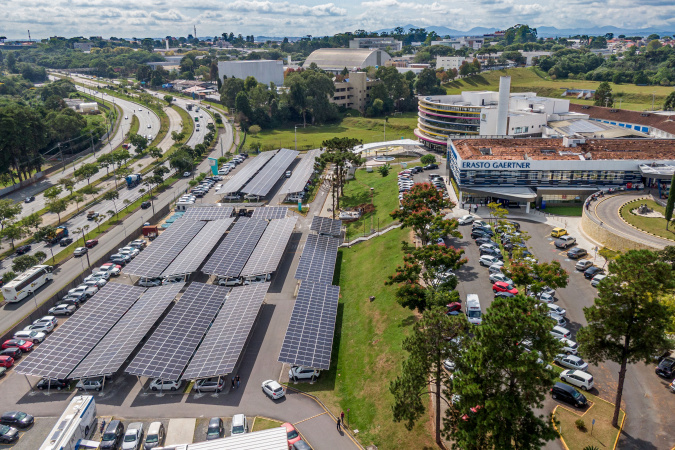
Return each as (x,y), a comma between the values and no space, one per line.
(222,346)
(173,343)
(270,212)
(317,262)
(71,342)
(109,355)
(309,337)
(213,211)
(302,172)
(267,254)
(198,249)
(152,261)
(265,180)
(232,254)
(247,172)
(326,225)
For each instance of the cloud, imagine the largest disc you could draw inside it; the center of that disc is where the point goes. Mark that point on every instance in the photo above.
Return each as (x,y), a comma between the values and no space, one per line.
(170,15)
(286,8)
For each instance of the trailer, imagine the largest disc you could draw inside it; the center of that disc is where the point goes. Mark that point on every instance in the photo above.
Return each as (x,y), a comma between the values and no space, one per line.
(150,231)
(77,423)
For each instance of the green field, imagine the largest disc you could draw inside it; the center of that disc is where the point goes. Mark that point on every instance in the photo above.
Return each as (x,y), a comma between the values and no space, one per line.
(604,435)
(653,225)
(365,129)
(564,210)
(627,96)
(367,351)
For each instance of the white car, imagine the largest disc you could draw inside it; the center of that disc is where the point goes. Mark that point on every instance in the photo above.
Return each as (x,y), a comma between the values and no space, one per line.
(303,373)
(466,220)
(111,269)
(39,325)
(149,282)
(487,246)
(546,298)
(578,378)
(79,251)
(560,332)
(149,126)
(272,389)
(597,279)
(133,437)
(571,362)
(186,174)
(555,309)
(165,385)
(495,277)
(480,223)
(33,336)
(495,268)
(88,291)
(98,283)
(487,261)
(569,346)
(559,320)
(230,282)
(133,251)
(51,319)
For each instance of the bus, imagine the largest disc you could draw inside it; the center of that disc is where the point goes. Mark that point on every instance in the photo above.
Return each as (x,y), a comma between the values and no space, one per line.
(27,283)
(473,312)
(74,426)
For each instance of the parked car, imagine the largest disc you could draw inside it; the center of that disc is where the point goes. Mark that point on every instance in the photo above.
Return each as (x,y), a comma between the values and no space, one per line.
(491,252)
(569,346)
(479,233)
(13,352)
(96,282)
(47,384)
(30,335)
(583,265)
(6,361)
(63,310)
(303,373)
(215,429)
(91,243)
(291,434)
(133,437)
(504,295)
(44,327)
(113,435)
(25,346)
(487,260)
(501,286)
(485,240)
(565,241)
(91,384)
(597,279)
(239,425)
(113,269)
(576,253)
(566,393)
(571,361)
(431,167)
(558,320)
(8,434)
(578,378)
(555,309)
(557,232)
(495,277)
(666,368)
(155,437)
(23,249)
(273,389)
(17,419)
(592,272)
(165,385)
(149,282)
(560,332)
(210,385)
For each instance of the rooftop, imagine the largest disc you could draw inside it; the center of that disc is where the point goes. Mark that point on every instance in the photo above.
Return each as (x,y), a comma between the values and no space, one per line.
(662,122)
(554,150)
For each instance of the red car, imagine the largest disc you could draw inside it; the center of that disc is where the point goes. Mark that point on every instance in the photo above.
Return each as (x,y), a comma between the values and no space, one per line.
(6,361)
(25,346)
(472,412)
(454,309)
(501,286)
(91,243)
(292,434)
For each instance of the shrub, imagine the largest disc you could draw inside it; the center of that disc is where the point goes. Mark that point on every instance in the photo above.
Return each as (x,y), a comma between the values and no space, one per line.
(580,424)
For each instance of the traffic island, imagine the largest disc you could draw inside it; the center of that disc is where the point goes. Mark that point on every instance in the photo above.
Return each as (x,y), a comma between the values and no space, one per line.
(595,428)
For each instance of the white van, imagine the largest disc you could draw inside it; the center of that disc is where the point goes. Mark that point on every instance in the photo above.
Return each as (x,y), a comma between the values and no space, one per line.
(578,378)
(239,425)
(473,311)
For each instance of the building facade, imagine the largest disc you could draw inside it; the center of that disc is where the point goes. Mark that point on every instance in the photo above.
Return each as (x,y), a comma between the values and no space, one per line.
(337,59)
(473,42)
(354,91)
(264,71)
(379,43)
(451,62)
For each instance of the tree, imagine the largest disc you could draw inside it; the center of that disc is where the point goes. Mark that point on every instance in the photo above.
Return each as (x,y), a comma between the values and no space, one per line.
(384,170)
(57,206)
(106,160)
(538,276)
(32,221)
(155,152)
(254,129)
(434,339)
(338,152)
(99,219)
(669,104)
(78,198)
(428,84)
(428,159)
(502,377)
(139,142)
(13,232)
(126,202)
(24,262)
(603,95)
(168,99)
(8,212)
(628,321)
(41,256)
(46,234)
(671,202)
(86,171)
(8,276)
(182,161)
(53,192)
(120,157)
(177,136)
(112,196)
(68,184)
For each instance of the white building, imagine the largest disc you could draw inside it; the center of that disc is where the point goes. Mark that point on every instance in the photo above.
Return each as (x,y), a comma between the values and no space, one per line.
(265,71)
(473,42)
(451,62)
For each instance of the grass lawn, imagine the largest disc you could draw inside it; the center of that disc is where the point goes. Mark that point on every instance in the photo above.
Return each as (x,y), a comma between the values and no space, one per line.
(367,352)
(632,97)
(260,424)
(365,129)
(135,124)
(653,225)
(604,434)
(608,254)
(564,210)
(187,122)
(385,199)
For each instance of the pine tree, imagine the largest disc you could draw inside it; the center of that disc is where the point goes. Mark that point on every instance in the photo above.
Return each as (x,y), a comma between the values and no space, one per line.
(671,201)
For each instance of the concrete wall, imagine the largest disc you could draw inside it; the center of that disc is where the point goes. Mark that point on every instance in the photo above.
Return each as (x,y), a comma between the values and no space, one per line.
(264,71)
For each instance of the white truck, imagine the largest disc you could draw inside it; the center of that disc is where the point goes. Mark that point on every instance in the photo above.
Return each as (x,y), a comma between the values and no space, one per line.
(76,423)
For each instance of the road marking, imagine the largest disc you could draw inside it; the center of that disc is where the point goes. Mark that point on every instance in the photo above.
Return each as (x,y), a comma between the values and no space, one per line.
(310,418)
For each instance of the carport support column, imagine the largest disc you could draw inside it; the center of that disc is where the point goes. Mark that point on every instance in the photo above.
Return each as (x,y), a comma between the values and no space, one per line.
(461,194)
(527,207)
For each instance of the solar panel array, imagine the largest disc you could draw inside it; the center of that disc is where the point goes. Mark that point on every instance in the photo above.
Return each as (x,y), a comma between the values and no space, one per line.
(326,225)
(270,174)
(309,337)
(71,342)
(232,254)
(198,249)
(173,343)
(267,254)
(164,249)
(302,172)
(270,212)
(247,172)
(223,344)
(214,211)
(111,353)
(317,262)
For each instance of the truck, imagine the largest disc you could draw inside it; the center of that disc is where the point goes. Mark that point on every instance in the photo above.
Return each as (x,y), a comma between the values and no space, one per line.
(76,423)
(189,106)
(150,231)
(91,215)
(134,180)
(61,232)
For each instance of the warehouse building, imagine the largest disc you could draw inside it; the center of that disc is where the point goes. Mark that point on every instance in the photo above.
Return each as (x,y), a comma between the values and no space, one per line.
(336,59)
(264,71)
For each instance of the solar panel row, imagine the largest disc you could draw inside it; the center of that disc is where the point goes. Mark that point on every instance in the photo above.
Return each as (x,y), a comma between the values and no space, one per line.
(157,257)
(211,211)
(223,344)
(197,250)
(114,349)
(72,341)
(309,337)
(267,254)
(231,255)
(326,225)
(317,262)
(270,212)
(247,172)
(173,343)
(265,180)
(302,172)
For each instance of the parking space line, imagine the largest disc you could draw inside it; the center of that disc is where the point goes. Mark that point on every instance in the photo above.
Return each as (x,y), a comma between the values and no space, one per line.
(310,418)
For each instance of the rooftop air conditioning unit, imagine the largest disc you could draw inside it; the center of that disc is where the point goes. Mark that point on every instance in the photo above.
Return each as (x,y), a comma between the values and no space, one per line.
(485,151)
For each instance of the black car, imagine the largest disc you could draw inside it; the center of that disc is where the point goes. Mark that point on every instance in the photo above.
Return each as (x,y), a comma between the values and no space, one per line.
(416,169)
(30,199)
(431,167)
(485,230)
(593,271)
(515,225)
(485,240)
(666,368)
(215,429)
(113,435)
(14,352)
(8,434)
(492,252)
(576,253)
(47,384)
(65,242)
(23,249)
(504,295)
(566,393)
(475,234)
(146,205)
(76,300)
(17,419)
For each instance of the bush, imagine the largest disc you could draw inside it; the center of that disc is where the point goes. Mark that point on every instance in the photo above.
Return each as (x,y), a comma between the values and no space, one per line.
(384,170)
(428,159)
(580,424)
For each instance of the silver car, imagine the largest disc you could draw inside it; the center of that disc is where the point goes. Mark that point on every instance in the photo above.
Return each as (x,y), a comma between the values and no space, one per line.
(133,437)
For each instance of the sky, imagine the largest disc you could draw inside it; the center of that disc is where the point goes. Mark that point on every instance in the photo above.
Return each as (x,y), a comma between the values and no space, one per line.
(159,18)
